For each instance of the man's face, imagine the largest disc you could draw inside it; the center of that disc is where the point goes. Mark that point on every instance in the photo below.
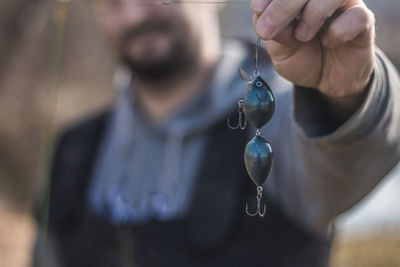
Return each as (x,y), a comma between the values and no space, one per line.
(153,40)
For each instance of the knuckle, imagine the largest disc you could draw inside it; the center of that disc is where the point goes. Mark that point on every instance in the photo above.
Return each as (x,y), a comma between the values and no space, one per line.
(317,13)
(364,15)
(282,3)
(336,33)
(370,17)
(314,16)
(283,6)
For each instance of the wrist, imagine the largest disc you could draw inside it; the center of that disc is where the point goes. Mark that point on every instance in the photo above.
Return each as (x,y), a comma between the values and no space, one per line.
(342,107)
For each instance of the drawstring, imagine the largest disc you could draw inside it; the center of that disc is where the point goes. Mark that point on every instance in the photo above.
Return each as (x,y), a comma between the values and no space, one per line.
(171,172)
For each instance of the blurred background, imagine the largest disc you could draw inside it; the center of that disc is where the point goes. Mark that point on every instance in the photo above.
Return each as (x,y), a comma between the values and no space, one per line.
(38,54)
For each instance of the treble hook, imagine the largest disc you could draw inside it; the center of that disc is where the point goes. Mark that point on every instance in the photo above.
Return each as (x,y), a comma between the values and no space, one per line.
(259,197)
(242,122)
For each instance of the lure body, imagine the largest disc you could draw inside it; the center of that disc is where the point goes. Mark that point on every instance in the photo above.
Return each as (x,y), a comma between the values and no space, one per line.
(259,103)
(258,158)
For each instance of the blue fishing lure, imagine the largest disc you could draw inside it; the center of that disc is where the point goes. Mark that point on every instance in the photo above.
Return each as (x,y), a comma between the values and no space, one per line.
(257,107)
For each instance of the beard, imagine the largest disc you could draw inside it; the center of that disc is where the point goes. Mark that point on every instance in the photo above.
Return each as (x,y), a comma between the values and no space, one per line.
(151,65)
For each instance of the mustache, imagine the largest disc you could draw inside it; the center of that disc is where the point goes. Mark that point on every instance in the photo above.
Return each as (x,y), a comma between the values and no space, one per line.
(145,27)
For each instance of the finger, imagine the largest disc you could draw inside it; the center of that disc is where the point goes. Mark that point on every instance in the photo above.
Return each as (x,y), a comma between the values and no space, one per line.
(285,38)
(277,16)
(314,15)
(258,6)
(357,21)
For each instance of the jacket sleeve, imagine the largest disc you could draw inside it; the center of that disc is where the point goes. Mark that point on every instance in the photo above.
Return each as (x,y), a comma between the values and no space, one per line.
(318,174)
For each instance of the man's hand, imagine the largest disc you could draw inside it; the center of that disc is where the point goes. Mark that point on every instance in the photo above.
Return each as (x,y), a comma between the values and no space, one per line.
(323,44)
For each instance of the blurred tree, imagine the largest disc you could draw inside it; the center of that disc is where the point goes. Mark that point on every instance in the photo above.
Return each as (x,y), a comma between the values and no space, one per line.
(27,35)
(10,26)
(23,60)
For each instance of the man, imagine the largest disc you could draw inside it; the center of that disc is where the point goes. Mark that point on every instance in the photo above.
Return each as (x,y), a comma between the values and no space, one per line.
(160,180)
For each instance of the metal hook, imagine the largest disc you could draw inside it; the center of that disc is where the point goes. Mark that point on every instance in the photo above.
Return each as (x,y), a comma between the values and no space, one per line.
(256,73)
(242,122)
(259,197)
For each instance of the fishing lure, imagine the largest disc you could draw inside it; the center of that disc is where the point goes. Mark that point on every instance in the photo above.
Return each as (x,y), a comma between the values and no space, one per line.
(257,107)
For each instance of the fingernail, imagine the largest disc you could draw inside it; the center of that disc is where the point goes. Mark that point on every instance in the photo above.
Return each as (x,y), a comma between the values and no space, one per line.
(302,32)
(265,28)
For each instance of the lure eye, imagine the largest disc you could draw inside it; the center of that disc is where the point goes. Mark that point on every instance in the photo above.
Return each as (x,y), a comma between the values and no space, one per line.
(258,84)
